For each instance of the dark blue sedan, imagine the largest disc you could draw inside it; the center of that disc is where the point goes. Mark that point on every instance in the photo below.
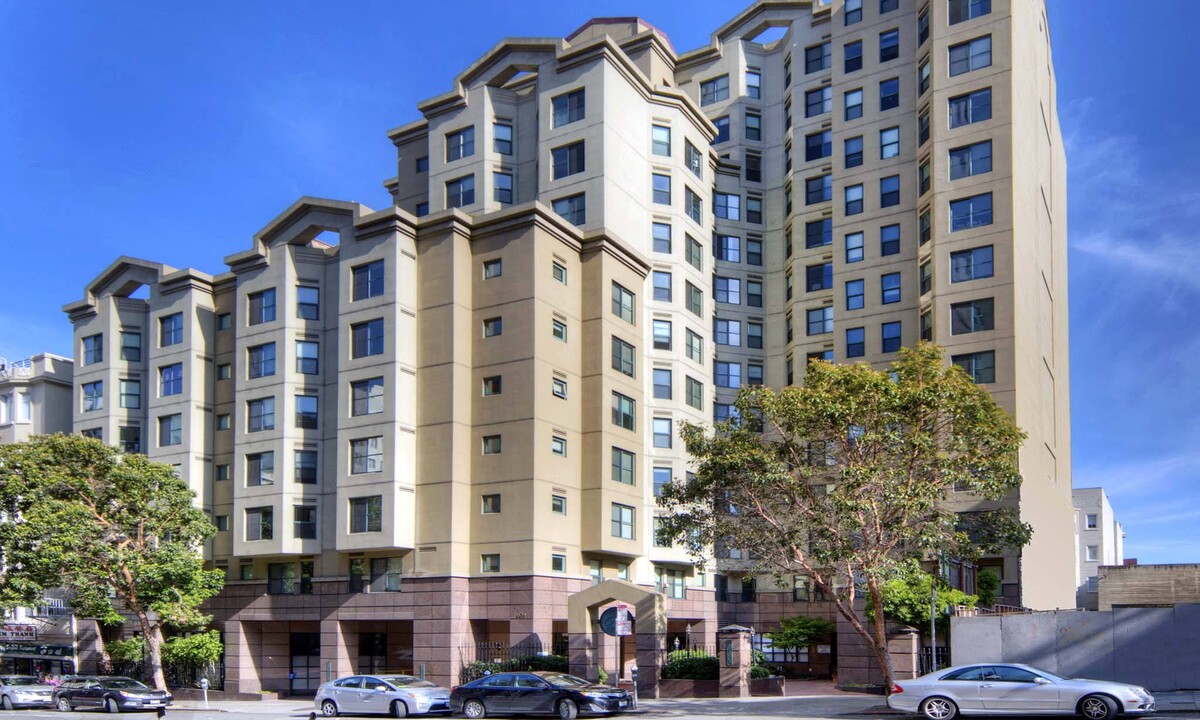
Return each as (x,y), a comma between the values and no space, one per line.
(536,693)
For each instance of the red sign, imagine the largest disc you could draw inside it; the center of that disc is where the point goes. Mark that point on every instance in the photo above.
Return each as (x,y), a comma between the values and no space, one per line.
(18,632)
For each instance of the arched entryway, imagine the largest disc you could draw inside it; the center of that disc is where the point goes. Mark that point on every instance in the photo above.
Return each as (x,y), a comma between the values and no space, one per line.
(649,628)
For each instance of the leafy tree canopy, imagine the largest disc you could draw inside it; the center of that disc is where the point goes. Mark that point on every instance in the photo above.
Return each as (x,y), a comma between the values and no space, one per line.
(800,632)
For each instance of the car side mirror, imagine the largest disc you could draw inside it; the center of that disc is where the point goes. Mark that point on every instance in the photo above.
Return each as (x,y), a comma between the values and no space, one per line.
(1041,680)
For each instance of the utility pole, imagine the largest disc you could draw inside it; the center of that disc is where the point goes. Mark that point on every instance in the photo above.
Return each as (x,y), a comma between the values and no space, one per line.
(933,624)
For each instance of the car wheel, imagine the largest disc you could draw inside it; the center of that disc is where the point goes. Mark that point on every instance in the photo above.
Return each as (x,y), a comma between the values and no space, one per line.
(6,703)
(110,705)
(1097,707)
(939,708)
(474,709)
(567,710)
(399,709)
(63,705)
(329,708)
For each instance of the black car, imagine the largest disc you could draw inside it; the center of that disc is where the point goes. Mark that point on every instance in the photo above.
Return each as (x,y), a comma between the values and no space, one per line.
(536,693)
(114,694)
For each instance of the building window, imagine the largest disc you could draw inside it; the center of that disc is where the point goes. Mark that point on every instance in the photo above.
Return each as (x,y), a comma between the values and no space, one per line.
(491,505)
(694,393)
(305,467)
(573,209)
(421,165)
(170,380)
(891,337)
(460,144)
(889,94)
(924,177)
(722,125)
(502,187)
(818,233)
(694,347)
(568,107)
(727,332)
(130,394)
(754,210)
(131,346)
(854,199)
(622,356)
(854,151)
(567,160)
(662,334)
(366,455)
(367,338)
(854,104)
(889,240)
(855,294)
(661,237)
(889,191)
(366,514)
(308,302)
(492,444)
(753,84)
(558,388)
(973,316)
(753,252)
(753,126)
(727,374)
(306,412)
(489,563)
(818,189)
(816,58)
(695,299)
(715,90)
(856,345)
(924,76)
(971,108)
(502,138)
(222,473)
(93,349)
(224,321)
(971,160)
(1093,553)
(923,127)
(661,189)
(963,10)
(890,288)
(558,271)
(975,211)
(558,563)
(662,432)
(1093,584)
(558,329)
(727,248)
(1091,521)
(558,445)
(925,226)
(260,469)
(261,360)
(971,55)
(622,521)
(820,320)
(754,335)
(753,167)
(622,466)
(818,145)
(854,247)
(818,277)
(262,307)
(170,430)
(926,277)
(852,11)
(492,385)
(93,396)
(493,327)
(889,45)
(460,192)
(368,280)
(660,140)
(923,27)
(927,326)
(889,143)
(817,102)
(170,330)
(727,206)
(623,411)
(307,359)
(558,504)
(622,303)
(366,397)
(260,415)
(693,205)
(727,290)
(980,366)
(852,56)
(304,527)
(971,264)
(260,523)
(754,293)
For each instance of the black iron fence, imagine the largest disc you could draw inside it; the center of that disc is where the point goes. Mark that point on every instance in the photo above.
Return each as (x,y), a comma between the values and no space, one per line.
(483,658)
(927,657)
(177,675)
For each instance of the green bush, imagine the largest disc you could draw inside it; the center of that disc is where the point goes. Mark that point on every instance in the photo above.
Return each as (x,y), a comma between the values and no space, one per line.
(986,585)
(758,671)
(131,650)
(691,665)
(199,649)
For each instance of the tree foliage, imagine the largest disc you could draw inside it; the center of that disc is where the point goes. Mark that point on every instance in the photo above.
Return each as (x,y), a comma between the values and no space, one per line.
(986,585)
(108,527)
(798,633)
(200,649)
(131,650)
(907,600)
(845,479)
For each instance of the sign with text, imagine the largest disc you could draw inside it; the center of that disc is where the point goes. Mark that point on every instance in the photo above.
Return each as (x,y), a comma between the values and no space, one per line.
(18,632)
(624,620)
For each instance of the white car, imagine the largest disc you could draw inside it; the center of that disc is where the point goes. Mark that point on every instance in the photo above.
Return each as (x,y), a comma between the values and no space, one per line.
(1014,689)
(386,694)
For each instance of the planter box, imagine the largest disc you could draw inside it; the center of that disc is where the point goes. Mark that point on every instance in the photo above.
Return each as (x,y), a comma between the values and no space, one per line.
(689,688)
(768,686)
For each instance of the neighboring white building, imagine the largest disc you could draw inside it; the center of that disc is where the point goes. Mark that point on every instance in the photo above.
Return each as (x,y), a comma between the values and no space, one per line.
(1099,540)
(35,397)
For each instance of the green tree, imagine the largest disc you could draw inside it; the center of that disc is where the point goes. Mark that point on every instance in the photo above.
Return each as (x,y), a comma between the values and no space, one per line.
(108,527)
(797,633)
(987,583)
(844,479)
(907,600)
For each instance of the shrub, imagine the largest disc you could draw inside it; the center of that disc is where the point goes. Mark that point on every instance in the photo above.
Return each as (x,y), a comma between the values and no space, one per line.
(198,649)
(986,585)
(131,650)
(758,672)
(691,665)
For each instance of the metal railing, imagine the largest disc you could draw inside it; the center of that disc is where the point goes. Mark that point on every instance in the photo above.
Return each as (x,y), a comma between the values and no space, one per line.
(486,657)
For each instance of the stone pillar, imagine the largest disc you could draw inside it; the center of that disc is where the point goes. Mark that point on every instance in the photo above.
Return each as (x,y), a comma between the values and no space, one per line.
(441,627)
(241,675)
(336,643)
(733,657)
(905,646)
(582,656)
(651,649)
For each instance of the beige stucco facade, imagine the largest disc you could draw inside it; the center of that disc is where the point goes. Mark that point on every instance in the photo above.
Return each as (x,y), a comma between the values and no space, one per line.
(35,397)
(455,410)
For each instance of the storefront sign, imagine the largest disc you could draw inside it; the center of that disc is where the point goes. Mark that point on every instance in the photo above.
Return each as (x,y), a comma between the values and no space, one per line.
(22,650)
(18,632)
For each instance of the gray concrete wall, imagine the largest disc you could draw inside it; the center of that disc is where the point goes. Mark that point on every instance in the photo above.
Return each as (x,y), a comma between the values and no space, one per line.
(1155,647)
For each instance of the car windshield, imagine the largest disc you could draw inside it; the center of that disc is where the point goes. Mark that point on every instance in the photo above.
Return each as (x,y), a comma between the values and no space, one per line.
(565,680)
(23,681)
(123,683)
(407,681)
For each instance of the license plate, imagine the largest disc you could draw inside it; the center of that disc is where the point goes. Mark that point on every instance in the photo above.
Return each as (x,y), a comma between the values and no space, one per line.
(623,703)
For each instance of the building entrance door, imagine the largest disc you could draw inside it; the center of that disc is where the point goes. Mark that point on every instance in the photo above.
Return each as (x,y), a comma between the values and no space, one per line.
(304,674)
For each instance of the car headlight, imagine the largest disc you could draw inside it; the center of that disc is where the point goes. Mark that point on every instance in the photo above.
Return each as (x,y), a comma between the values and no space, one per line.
(593,694)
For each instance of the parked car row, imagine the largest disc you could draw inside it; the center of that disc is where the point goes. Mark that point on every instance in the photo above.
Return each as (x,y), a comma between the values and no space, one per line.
(506,693)
(110,693)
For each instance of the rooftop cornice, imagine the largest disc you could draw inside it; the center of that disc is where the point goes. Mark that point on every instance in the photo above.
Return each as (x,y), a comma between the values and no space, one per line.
(742,24)
(457,97)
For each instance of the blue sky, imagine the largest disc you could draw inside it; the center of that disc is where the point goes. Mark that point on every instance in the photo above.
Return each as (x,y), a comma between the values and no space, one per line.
(174,131)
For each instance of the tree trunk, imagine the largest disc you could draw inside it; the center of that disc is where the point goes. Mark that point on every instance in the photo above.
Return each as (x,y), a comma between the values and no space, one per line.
(880,645)
(152,634)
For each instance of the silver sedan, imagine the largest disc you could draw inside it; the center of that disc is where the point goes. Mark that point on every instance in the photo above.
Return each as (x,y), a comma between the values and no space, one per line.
(394,695)
(1014,689)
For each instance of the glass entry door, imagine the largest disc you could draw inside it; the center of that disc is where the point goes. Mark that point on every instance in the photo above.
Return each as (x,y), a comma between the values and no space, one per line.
(305,671)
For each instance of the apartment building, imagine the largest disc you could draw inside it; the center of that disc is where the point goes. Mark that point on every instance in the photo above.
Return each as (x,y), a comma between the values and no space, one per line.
(422,428)
(1099,540)
(35,397)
